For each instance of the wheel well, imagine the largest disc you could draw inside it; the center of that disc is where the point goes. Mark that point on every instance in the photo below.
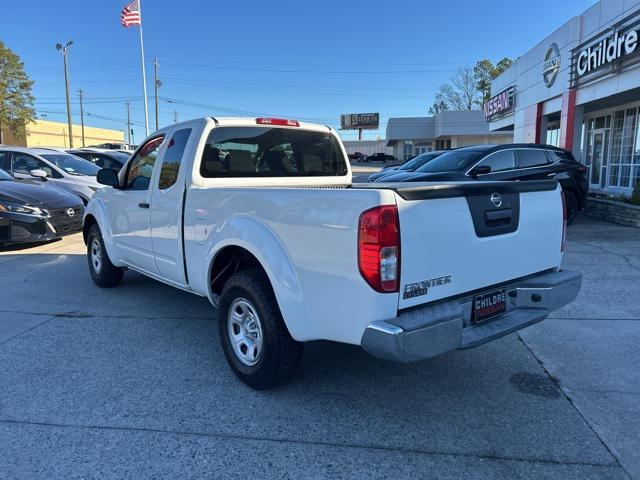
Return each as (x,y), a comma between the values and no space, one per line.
(575,194)
(89,221)
(228,261)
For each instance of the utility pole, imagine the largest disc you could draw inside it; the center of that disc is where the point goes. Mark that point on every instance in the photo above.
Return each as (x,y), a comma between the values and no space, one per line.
(64,49)
(175,116)
(81,93)
(129,124)
(157,84)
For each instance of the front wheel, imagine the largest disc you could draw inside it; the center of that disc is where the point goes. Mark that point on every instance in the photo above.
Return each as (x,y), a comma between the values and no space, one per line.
(255,340)
(103,272)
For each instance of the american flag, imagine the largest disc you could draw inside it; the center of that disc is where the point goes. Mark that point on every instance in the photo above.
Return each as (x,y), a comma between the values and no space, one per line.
(130,14)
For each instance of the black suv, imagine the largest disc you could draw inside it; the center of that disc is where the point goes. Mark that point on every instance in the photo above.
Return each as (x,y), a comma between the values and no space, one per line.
(380,157)
(507,162)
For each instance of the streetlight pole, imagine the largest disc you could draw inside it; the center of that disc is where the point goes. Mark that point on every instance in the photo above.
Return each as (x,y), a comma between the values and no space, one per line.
(81,94)
(64,49)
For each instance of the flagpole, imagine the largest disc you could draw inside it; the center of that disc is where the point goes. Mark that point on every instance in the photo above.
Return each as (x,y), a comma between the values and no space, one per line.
(144,75)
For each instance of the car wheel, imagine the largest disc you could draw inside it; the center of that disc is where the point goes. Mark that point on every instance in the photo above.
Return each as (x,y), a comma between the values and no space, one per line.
(572,206)
(103,272)
(254,337)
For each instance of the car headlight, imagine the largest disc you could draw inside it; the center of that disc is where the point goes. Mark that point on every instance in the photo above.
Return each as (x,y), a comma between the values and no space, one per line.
(23,209)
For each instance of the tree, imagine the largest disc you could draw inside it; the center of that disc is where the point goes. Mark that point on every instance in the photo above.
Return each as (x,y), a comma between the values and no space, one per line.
(438,106)
(461,93)
(484,72)
(16,100)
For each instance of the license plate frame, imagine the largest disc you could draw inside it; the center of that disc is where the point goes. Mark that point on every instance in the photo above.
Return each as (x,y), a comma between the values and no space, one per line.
(488,305)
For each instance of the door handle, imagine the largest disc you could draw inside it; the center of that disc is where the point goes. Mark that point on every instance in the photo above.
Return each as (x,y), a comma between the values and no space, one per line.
(143,205)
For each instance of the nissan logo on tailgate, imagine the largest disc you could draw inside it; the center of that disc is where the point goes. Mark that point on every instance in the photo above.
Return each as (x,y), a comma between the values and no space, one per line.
(496,199)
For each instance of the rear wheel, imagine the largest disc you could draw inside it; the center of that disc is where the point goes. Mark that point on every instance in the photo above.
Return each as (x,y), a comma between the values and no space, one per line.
(103,272)
(254,338)
(573,207)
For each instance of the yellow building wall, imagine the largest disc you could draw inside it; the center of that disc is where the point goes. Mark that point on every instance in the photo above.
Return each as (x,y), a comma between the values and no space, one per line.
(45,133)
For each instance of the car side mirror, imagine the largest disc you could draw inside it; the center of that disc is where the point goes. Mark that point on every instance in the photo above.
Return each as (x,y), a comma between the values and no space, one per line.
(38,173)
(480,170)
(108,177)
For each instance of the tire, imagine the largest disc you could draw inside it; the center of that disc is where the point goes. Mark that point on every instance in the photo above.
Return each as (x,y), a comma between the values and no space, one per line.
(103,272)
(573,207)
(254,337)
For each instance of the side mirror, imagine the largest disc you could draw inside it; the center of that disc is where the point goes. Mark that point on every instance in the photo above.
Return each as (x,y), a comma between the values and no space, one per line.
(38,173)
(108,177)
(480,170)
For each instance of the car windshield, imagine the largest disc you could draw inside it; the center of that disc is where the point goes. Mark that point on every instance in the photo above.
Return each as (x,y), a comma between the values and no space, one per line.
(455,160)
(5,176)
(71,164)
(419,161)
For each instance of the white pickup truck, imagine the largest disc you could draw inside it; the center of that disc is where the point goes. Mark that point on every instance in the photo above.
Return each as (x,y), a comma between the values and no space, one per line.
(261,217)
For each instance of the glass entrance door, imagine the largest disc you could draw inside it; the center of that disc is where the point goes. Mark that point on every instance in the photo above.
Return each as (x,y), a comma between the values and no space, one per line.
(598,158)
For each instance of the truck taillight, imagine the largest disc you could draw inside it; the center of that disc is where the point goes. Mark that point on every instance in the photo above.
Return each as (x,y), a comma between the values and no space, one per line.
(278,121)
(379,248)
(564,221)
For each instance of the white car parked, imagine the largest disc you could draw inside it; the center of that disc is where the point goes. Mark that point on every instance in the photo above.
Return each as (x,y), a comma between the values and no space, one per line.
(54,165)
(260,216)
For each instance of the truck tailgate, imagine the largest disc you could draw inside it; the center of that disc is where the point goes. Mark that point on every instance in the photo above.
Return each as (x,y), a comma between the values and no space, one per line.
(461,237)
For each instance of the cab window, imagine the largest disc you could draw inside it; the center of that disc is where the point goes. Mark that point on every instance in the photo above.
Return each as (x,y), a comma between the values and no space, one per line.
(141,166)
(173,158)
(500,161)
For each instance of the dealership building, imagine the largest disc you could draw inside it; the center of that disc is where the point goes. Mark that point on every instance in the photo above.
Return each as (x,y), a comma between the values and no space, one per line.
(408,136)
(579,89)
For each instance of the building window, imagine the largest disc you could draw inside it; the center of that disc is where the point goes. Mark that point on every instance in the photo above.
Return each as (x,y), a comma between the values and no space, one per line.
(408,150)
(636,153)
(623,136)
(553,134)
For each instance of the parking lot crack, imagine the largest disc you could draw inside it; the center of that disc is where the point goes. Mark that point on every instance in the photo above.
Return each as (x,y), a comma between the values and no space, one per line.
(293,441)
(610,252)
(80,314)
(568,397)
(27,331)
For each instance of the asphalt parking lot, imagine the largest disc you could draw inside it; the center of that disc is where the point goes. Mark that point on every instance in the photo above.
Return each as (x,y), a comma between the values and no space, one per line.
(132,383)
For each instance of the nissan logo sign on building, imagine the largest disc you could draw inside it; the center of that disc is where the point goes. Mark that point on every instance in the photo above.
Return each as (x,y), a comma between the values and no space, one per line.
(551,65)
(500,104)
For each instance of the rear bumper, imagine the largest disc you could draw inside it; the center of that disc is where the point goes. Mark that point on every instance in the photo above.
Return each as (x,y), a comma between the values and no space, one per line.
(434,329)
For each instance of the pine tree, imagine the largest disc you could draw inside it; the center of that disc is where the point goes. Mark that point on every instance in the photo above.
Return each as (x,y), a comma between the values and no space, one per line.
(16,100)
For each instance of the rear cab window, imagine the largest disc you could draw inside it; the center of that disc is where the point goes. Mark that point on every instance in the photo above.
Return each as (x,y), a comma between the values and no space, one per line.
(271,152)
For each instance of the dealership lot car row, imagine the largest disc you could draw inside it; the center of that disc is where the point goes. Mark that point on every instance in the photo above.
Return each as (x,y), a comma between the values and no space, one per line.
(43,190)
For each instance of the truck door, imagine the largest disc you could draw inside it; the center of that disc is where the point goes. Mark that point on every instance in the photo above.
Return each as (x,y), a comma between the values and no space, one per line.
(167,204)
(129,210)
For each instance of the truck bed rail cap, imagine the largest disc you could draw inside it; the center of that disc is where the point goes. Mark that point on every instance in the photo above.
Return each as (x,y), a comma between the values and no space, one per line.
(430,190)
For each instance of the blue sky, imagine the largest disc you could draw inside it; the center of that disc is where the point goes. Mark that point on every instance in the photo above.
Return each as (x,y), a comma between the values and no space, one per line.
(307,60)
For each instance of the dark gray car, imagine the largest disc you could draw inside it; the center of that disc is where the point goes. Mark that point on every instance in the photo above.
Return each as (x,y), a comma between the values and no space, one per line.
(408,166)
